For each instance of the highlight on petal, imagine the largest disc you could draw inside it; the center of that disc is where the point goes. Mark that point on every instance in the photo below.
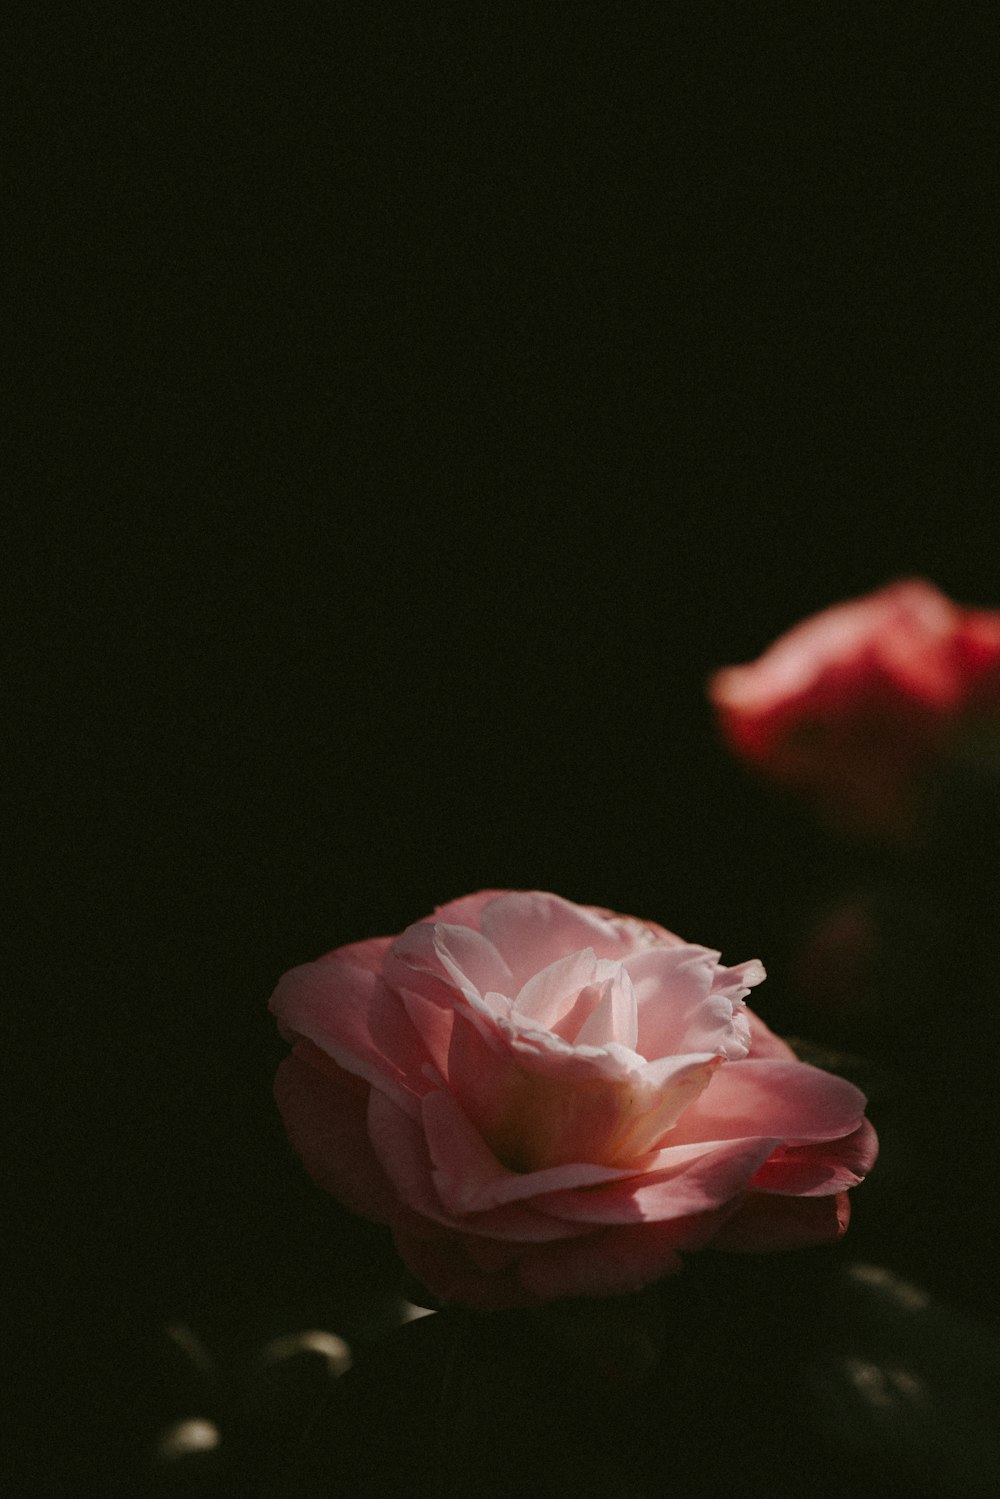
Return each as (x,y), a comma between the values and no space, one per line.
(613,1019)
(347,1012)
(467,909)
(553,992)
(678,1007)
(532,929)
(784,1100)
(676,1182)
(461,957)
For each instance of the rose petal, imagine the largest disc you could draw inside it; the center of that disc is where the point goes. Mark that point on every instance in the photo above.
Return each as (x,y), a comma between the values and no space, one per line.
(467,909)
(348,1013)
(819,1169)
(469,1177)
(463,958)
(787,1101)
(434,1023)
(325,1111)
(401,1146)
(534,928)
(368,954)
(677,1010)
(443,1264)
(764,1224)
(764,1044)
(551,993)
(611,1262)
(613,1019)
(685,1180)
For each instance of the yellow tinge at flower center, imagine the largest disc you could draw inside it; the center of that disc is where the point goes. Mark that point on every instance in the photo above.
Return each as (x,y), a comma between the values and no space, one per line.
(544,1121)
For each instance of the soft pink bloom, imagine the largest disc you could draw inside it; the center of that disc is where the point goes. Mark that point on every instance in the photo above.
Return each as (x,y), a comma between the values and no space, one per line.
(854,704)
(544,1099)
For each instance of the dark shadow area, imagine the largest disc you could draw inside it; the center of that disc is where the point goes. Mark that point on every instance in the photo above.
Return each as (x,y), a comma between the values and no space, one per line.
(417,406)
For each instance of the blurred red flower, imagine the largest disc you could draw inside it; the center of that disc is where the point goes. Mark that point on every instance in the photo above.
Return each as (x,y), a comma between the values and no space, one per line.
(854,705)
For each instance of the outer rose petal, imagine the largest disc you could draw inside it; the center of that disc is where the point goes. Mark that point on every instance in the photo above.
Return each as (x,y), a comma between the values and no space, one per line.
(467,910)
(444,1264)
(348,1013)
(612,1262)
(368,954)
(764,1043)
(325,1113)
(783,1100)
(464,961)
(820,1169)
(694,1180)
(764,1224)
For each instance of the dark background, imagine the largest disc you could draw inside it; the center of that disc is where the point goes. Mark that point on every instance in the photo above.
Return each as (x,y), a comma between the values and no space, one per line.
(418,402)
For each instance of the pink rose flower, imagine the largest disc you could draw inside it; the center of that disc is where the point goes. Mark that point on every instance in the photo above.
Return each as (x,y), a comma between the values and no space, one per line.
(544,1099)
(853,705)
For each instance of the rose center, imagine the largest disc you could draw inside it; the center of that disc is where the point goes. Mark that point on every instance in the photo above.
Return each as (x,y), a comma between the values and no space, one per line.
(546,1122)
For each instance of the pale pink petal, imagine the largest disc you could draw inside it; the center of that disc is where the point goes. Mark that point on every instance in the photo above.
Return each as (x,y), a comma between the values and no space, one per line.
(633,934)
(764,1223)
(677,1011)
(348,1013)
(687,1181)
(534,928)
(739,979)
(613,1018)
(819,1169)
(787,1101)
(467,909)
(735,984)
(325,1111)
(461,957)
(569,1025)
(550,993)
(544,1053)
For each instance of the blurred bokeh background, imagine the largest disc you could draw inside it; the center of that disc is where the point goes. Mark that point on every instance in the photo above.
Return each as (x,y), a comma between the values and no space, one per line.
(418,404)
